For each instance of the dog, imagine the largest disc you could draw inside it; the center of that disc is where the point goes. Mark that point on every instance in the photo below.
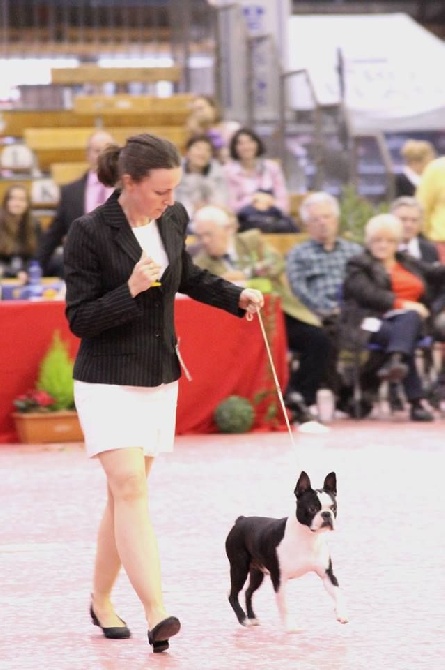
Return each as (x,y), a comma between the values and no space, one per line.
(285,549)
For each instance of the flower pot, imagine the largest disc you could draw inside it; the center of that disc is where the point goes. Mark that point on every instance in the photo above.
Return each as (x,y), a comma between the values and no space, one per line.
(45,427)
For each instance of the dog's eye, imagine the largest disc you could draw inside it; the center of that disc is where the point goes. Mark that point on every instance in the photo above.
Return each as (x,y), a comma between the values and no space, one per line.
(313,509)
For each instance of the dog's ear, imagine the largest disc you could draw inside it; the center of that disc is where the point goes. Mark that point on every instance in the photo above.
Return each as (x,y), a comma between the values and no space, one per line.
(303,484)
(330,483)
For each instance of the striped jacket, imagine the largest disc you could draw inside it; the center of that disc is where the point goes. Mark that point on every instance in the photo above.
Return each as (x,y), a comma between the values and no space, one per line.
(126,340)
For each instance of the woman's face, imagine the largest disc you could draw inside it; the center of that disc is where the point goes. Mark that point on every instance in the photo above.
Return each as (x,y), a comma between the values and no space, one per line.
(17,202)
(203,110)
(199,155)
(246,147)
(151,196)
(383,245)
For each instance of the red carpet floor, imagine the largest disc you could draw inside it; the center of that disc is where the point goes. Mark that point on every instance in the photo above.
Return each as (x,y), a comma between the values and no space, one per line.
(388,550)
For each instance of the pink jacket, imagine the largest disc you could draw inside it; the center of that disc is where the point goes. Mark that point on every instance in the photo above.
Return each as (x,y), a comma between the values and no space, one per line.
(242,185)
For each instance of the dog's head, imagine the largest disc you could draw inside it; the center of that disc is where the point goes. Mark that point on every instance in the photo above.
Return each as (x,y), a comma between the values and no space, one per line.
(316,508)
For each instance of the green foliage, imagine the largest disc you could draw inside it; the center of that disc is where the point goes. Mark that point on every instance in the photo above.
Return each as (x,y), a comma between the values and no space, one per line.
(355,213)
(56,374)
(234,415)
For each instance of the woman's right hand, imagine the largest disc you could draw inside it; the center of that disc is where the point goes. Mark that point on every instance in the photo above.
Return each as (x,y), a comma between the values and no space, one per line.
(145,273)
(418,307)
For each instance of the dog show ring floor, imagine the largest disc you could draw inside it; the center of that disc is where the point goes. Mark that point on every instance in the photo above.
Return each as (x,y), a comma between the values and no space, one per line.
(388,553)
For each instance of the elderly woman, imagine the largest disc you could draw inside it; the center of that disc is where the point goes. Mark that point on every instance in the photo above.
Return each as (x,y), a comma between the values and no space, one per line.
(387,297)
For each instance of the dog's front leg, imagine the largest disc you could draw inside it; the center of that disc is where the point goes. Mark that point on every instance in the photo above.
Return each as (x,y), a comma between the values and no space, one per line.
(280,593)
(330,582)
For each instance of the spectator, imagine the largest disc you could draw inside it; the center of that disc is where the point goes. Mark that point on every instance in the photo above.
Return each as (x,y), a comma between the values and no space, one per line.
(431,195)
(264,215)
(410,213)
(416,155)
(19,233)
(76,199)
(248,171)
(203,181)
(206,119)
(387,301)
(316,270)
(240,256)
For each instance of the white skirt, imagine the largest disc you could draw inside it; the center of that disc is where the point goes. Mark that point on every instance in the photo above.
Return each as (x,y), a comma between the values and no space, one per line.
(118,417)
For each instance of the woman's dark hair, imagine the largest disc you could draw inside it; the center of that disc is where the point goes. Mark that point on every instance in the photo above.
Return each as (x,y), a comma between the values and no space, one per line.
(140,155)
(17,237)
(261,149)
(198,138)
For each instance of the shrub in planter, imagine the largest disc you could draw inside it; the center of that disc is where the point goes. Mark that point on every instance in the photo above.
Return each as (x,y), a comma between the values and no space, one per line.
(234,415)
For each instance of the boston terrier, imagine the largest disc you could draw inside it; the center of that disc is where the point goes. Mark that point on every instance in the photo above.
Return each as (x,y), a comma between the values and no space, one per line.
(285,549)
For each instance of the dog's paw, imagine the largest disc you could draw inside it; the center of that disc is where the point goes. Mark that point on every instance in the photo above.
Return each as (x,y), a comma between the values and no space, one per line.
(251,622)
(342,616)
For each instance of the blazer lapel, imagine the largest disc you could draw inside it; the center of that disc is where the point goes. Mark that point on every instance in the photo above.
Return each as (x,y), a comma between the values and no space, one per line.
(171,236)
(114,217)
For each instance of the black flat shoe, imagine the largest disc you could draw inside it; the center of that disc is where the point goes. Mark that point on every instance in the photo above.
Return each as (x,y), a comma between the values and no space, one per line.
(112,633)
(419,413)
(159,636)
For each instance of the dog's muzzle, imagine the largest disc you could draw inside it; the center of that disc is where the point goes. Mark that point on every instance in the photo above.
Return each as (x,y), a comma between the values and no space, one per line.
(327,520)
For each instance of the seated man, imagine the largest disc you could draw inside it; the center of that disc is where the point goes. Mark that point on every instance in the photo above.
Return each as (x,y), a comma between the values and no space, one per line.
(240,256)
(409,211)
(76,199)
(316,271)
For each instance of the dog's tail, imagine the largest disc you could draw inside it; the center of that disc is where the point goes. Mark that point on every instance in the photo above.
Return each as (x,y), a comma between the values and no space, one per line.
(240,518)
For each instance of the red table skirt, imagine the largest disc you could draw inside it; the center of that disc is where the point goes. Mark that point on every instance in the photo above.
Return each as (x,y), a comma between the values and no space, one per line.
(225,356)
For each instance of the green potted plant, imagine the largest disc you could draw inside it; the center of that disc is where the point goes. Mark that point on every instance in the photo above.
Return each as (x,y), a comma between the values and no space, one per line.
(47,413)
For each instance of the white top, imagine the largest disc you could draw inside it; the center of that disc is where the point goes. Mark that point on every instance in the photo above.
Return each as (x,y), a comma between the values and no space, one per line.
(150,240)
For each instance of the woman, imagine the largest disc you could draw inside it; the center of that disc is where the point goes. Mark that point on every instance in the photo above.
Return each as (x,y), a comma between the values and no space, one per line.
(206,119)
(416,155)
(19,233)
(203,181)
(248,172)
(387,302)
(124,264)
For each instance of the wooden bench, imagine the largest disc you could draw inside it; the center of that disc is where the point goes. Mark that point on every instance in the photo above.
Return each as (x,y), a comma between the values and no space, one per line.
(62,173)
(95,110)
(94,74)
(56,145)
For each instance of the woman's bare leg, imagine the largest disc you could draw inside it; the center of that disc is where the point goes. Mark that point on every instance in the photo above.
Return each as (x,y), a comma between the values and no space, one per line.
(136,544)
(107,567)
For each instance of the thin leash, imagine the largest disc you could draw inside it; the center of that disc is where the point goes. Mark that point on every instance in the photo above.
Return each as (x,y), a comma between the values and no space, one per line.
(274,374)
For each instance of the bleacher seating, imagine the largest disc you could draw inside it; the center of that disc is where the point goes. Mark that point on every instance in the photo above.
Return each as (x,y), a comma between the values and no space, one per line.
(55,145)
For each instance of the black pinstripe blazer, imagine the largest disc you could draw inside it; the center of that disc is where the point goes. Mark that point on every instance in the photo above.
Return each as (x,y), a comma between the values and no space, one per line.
(126,340)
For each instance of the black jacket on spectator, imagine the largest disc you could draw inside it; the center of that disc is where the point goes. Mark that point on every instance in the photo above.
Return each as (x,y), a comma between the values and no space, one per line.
(367,292)
(272,220)
(71,206)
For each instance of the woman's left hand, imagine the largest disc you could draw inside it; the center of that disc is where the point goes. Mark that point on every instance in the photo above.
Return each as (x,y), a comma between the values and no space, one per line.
(251,300)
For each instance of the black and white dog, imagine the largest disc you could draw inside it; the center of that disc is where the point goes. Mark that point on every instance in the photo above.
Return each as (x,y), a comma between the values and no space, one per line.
(285,549)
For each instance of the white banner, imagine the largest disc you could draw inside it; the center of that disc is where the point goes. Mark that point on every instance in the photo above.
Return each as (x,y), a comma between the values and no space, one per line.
(393,69)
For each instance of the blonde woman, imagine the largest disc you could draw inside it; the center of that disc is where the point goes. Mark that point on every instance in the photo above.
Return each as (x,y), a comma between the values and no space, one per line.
(387,295)
(416,155)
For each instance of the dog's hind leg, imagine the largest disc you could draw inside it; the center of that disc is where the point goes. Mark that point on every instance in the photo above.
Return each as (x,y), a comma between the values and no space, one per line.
(239,569)
(255,581)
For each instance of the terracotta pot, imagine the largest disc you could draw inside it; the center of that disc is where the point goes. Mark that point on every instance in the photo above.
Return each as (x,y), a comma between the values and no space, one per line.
(44,427)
